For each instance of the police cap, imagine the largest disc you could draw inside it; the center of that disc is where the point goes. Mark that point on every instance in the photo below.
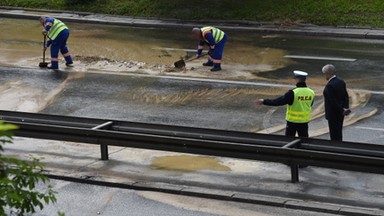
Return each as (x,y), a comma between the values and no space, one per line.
(300,74)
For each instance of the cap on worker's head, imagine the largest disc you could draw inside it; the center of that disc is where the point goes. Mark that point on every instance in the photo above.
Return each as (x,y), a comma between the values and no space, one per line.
(42,19)
(300,74)
(196,31)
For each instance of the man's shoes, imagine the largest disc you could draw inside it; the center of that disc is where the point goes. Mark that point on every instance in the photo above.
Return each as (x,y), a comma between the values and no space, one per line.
(216,69)
(69,64)
(53,68)
(209,64)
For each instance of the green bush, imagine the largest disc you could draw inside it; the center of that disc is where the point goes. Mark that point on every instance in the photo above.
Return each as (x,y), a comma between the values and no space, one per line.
(324,12)
(18,180)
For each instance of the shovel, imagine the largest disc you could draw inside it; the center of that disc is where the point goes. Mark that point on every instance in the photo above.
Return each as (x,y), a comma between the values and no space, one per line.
(44,64)
(181,63)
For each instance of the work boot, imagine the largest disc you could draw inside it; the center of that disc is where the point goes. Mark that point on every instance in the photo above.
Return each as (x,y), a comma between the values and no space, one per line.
(69,64)
(216,69)
(53,68)
(209,64)
(54,65)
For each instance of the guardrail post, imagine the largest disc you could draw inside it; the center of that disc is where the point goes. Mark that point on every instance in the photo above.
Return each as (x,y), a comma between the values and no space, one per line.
(103,147)
(104,152)
(294,173)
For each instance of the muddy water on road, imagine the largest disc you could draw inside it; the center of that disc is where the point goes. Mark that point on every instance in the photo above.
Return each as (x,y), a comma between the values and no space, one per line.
(188,163)
(137,50)
(152,51)
(124,49)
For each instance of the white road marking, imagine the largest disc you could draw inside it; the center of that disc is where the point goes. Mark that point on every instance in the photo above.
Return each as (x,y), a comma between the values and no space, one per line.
(249,83)
(370,128)
(319,58)
(373,92)
(213,80)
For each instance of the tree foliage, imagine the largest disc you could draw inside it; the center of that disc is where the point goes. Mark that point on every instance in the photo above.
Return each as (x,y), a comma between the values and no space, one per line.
(18,181)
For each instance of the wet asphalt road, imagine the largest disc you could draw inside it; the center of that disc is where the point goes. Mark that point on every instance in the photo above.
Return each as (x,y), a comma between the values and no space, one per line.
(212,104)
(196,103)
(80,199)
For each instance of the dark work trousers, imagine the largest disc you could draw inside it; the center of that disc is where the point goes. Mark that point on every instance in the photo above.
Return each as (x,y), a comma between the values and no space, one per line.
(218,53)
(336,128)
(60,44)
(300,128)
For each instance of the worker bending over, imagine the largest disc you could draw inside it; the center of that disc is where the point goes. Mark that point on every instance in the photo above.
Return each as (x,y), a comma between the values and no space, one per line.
(215,39)
(57,33)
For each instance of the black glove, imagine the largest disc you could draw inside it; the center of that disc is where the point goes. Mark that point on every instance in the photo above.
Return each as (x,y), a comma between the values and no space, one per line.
(49,42)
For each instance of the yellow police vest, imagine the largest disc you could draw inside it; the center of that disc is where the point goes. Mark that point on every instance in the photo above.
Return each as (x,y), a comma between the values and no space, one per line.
(56,28)
(301,108)
(217,34)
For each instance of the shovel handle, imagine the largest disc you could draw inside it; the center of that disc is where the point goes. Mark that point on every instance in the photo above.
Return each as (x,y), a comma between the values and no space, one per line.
(181,63)
(194,58)
(45,41)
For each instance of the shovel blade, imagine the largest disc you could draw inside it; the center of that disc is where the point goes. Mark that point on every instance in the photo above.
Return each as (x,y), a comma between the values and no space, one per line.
(180,64)
(43,64)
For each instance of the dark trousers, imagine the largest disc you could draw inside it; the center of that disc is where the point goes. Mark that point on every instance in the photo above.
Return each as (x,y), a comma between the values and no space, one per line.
(302,131)
(336,128)
(300,128)
(218,53)
(60,44)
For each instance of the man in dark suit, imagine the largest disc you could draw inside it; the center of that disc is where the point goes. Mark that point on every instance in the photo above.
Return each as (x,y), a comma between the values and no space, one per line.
(336,102)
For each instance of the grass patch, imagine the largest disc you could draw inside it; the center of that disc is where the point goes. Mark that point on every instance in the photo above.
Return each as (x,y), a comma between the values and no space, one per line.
(324,12)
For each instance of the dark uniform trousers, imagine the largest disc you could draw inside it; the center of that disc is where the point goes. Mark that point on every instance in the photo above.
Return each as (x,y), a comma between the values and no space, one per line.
(300,128)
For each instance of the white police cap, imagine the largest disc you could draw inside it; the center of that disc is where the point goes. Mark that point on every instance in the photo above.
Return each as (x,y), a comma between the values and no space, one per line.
(298,73)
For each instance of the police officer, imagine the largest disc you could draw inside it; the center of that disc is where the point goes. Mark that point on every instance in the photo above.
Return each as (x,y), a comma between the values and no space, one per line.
(299,109)
(57,33)
(215,39)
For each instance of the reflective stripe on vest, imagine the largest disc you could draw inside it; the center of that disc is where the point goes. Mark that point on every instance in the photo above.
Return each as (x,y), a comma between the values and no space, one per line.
(56,28)
(217,34)
(301,108)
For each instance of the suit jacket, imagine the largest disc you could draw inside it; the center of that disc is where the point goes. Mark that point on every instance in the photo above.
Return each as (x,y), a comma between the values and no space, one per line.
(335,99)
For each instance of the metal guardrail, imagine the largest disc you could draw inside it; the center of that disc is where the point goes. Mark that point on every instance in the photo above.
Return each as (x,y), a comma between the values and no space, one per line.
(274,148)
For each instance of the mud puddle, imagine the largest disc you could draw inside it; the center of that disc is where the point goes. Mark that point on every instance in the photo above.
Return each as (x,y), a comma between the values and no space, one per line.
(187,163)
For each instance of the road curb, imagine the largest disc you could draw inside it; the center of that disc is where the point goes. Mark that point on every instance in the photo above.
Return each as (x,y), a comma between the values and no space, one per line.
(226,195)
